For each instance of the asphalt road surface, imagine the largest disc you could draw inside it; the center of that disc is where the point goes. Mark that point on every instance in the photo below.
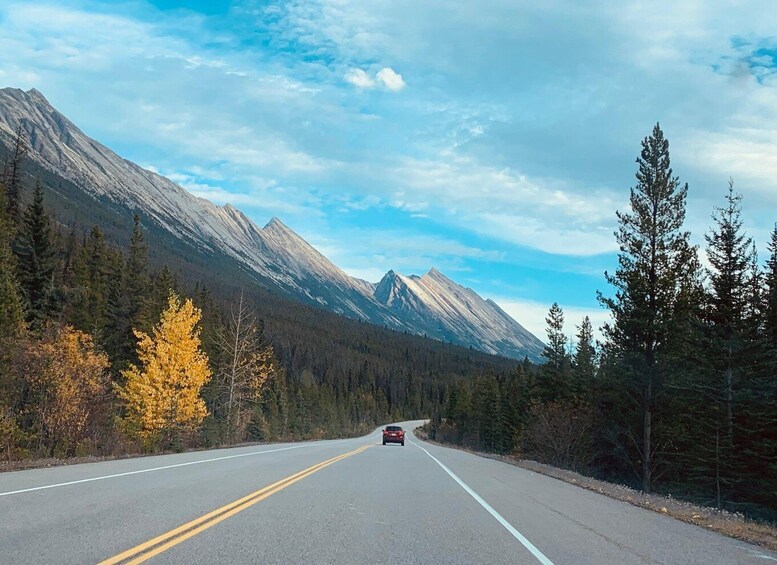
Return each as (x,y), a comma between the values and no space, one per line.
(341,501)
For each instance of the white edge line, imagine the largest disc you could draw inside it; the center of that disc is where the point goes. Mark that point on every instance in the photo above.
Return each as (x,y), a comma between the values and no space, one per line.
(516,534)
(139,471)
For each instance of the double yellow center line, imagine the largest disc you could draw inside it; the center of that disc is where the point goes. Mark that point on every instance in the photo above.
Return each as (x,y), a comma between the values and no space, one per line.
(152,547)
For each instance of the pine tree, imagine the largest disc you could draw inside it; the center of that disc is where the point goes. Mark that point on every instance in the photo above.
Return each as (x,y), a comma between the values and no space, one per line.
(163,284)
(553,383)
(12,173)
(36,260)
(97,271)
(584,360)
(129,287)
(162,395)
(655,262)
(729,253)
(716,359)
(137,280)
(11,309)
(117,336)
(770,291)
(488,413)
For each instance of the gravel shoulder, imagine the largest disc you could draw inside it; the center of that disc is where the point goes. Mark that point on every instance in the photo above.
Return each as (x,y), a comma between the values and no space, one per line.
(726,523)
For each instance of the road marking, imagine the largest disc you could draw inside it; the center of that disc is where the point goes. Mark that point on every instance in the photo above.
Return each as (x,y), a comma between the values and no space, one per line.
(163,542)
(138,472)
(516,534)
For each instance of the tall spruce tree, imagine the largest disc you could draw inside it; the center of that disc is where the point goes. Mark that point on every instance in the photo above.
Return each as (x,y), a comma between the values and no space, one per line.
(36,260)
(12,173)
(128,292)
(553,383)
(11,310)
(584,360)
(137,280)
(729,253)
(97,269)
(717,359)
(655,262)
(164,282)
(770,291)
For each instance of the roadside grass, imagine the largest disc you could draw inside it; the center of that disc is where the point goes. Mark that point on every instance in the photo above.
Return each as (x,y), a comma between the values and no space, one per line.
(726,523)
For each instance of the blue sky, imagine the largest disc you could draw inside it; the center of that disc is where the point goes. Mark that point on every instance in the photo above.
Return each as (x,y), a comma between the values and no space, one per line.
(493,140)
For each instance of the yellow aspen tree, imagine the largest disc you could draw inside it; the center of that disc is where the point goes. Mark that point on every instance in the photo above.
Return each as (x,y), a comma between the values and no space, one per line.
(162,396)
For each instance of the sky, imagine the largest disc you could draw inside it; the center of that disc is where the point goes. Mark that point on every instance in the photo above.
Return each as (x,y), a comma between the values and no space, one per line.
(493,140)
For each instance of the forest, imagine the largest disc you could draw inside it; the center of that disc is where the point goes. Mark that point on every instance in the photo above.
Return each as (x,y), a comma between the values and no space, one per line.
(111,346)
(680,397)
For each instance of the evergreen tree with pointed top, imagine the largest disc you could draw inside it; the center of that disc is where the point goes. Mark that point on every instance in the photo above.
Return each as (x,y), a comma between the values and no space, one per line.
(770,294)
(117,326)
(97,272)
(656,261)
(128,292)
(584,360)
(718,361)
(12,177)
(137,280)
(553,383)
(164,282)
(36,260)
(730,256)
(11,308)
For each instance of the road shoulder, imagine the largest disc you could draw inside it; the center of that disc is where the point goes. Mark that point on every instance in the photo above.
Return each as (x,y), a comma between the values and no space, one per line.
(726,523)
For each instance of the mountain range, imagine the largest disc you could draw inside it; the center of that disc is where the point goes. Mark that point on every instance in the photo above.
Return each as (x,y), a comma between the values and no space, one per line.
(275,256)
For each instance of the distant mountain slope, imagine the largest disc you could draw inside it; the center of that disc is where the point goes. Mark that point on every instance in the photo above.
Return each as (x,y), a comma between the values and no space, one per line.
(276,256)
(442,308)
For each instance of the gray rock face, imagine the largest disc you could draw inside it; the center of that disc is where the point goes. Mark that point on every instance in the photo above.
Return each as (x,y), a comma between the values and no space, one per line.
(430,305)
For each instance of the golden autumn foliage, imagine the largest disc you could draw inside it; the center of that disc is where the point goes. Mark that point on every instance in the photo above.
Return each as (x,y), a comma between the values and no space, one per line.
(162,396)
(67,377)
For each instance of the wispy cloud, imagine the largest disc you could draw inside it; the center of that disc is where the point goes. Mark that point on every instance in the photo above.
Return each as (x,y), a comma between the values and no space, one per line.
(359,78)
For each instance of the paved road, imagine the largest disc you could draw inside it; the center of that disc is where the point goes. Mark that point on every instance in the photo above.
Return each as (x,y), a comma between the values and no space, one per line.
(343,501)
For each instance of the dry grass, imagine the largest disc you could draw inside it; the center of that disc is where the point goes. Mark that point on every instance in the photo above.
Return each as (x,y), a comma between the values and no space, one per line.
(726,523)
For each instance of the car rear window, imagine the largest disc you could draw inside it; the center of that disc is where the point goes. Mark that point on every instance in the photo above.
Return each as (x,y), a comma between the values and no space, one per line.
(393,428)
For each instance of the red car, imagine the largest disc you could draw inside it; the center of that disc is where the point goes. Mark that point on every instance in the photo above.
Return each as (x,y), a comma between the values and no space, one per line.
(393,434)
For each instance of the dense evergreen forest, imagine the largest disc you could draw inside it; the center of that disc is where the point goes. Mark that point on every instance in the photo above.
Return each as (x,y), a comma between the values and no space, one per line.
(681,398)
(109,344)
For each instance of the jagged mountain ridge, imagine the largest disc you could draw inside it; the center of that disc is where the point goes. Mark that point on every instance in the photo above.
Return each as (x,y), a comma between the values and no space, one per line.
(435,303)
(280,259)
(58,145)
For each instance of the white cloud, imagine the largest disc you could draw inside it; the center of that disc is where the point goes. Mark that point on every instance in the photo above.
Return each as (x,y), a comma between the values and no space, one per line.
(387,77)
(390,79)
(359,78)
